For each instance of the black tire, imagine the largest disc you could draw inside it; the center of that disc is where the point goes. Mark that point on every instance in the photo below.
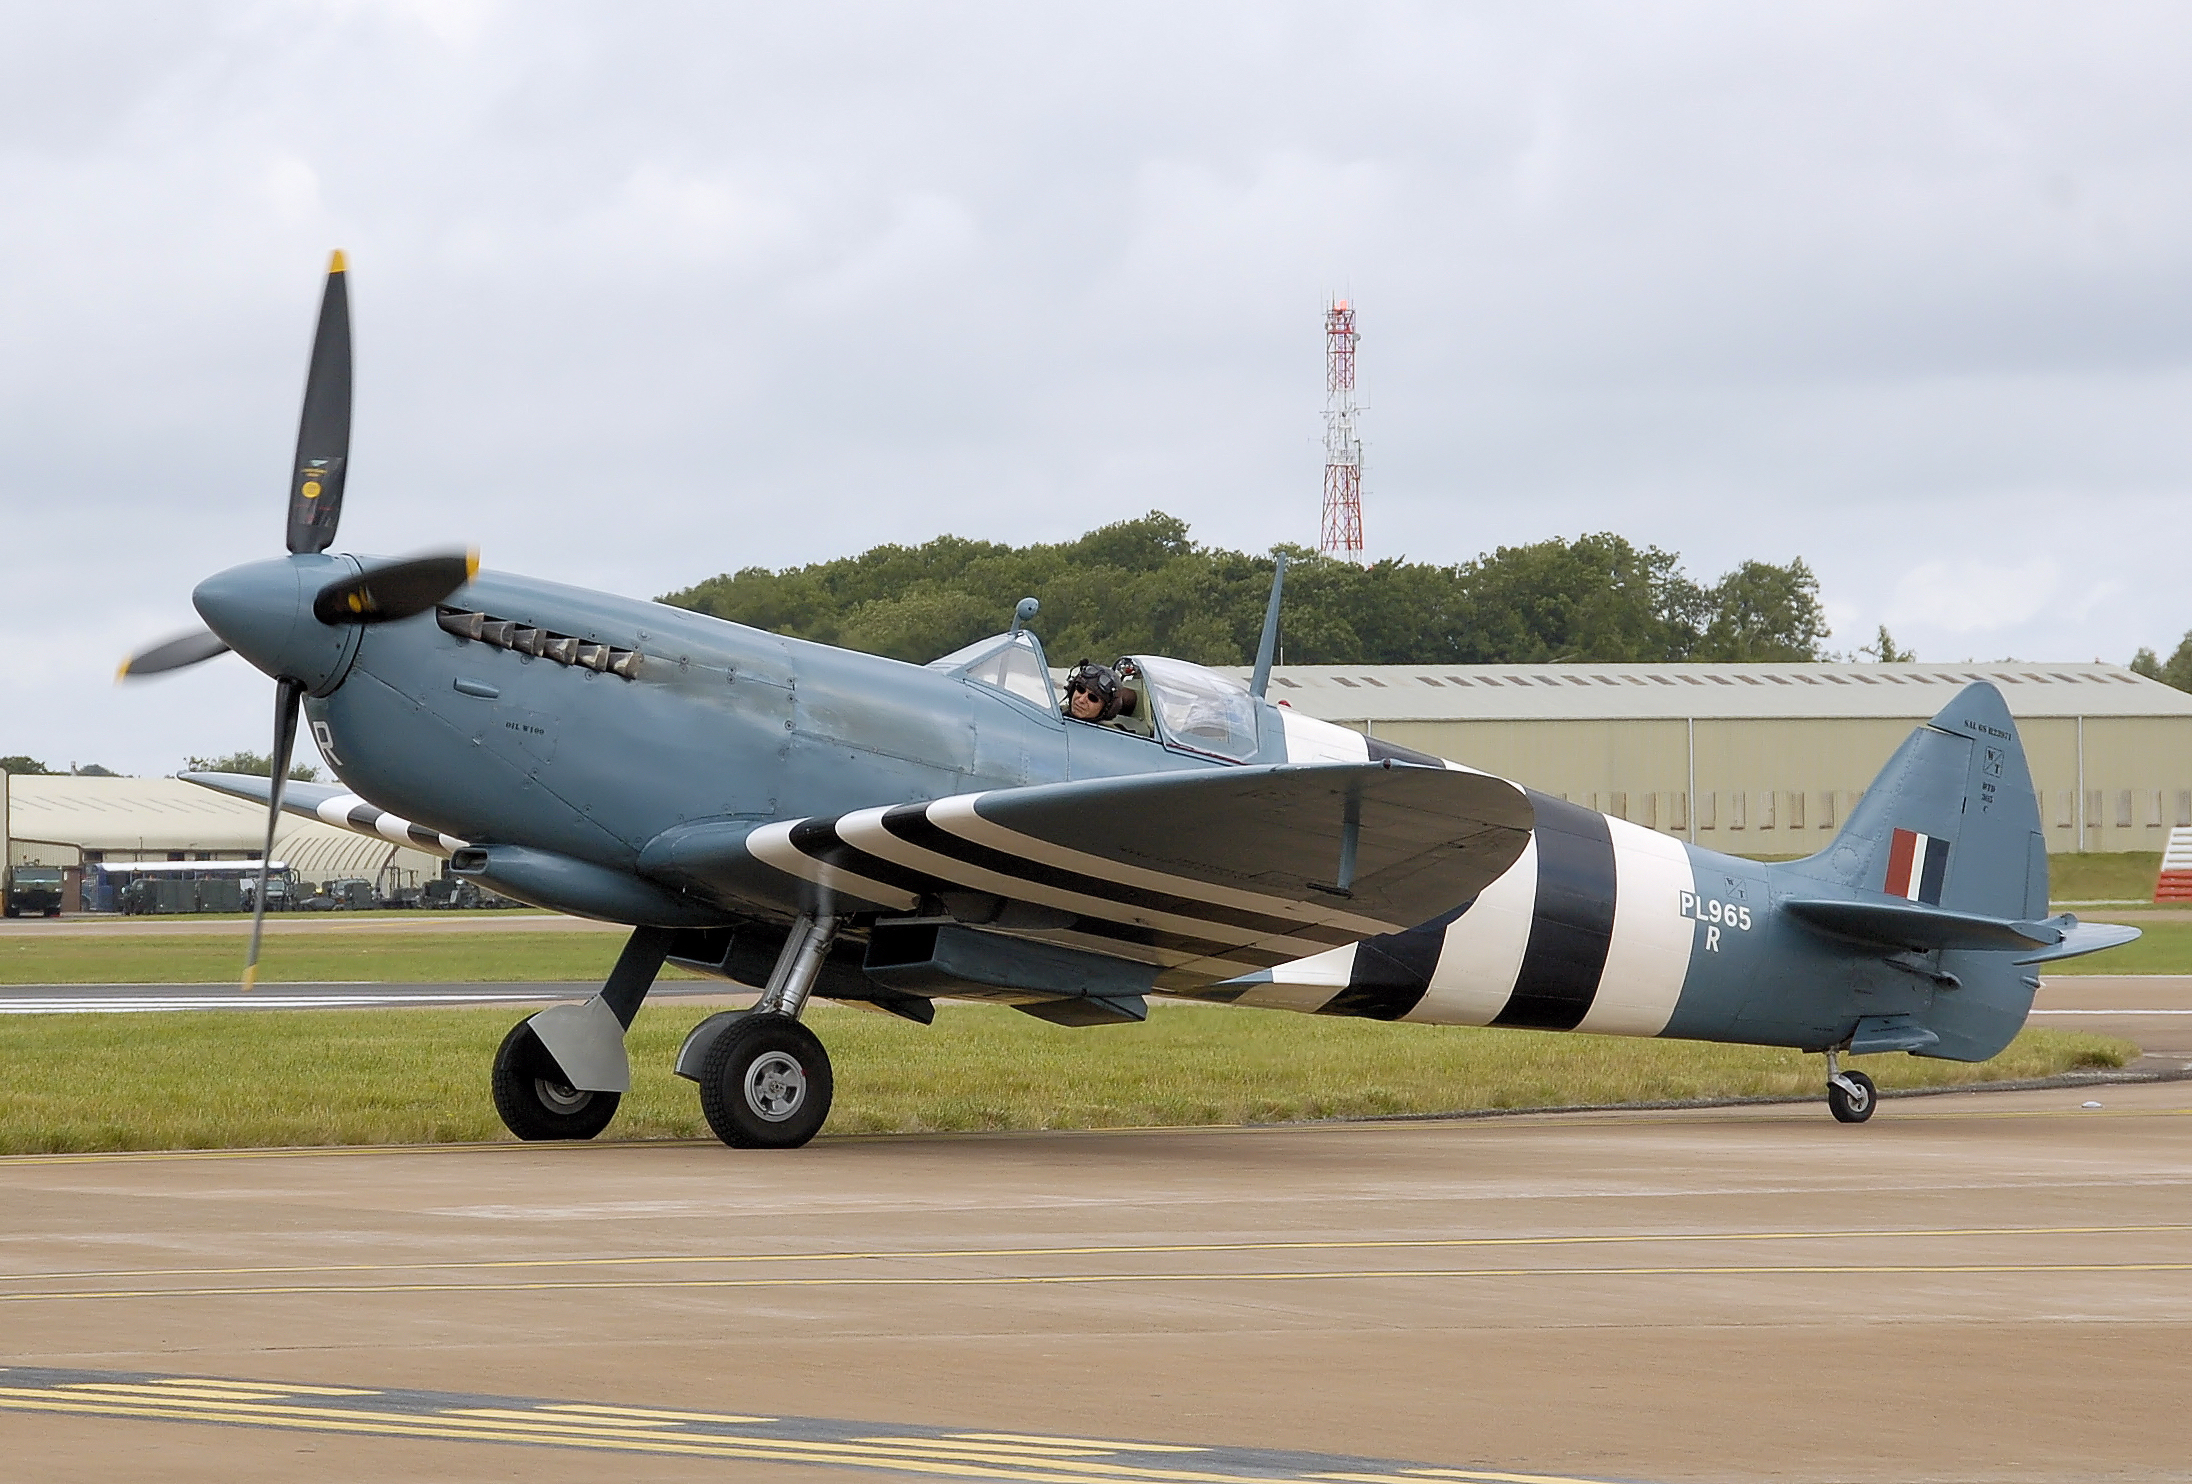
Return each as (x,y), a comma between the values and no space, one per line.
(1849,1108)
(534,1100)
(766,1084)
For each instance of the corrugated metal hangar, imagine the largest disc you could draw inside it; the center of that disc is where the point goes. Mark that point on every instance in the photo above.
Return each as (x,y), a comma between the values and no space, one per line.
(1766,759)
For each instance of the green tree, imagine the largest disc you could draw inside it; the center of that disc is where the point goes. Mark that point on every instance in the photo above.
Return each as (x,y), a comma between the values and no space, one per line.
(257,764)
(1761,612)
(2176,670)
(1882,650)
(1143,586)
(24,765)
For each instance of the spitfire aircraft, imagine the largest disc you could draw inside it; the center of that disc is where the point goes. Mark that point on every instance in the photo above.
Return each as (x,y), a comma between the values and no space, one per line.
(820,822)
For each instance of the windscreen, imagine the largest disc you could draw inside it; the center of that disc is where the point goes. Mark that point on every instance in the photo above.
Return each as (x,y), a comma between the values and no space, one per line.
(1201,710)
(1013,664)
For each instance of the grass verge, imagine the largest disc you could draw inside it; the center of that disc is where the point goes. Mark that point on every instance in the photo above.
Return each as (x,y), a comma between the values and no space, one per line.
(294,958)
(236,1080)
(556,957)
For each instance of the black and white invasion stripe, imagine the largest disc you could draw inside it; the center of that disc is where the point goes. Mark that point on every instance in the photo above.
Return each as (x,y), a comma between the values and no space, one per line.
(348,811)
(1584,932)
(896,857)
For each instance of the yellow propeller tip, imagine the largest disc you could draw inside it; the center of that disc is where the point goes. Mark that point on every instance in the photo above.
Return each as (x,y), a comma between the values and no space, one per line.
(337,263)
(251,977)
(121,671)
(471,564)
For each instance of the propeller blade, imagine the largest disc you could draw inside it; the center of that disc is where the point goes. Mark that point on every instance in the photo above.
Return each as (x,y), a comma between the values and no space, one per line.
(398,590)
(288,700)
(323,432)
(173,654)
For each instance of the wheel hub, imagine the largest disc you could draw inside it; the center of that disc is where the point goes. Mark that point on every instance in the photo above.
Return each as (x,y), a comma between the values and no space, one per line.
(775,1086)
(560,1097)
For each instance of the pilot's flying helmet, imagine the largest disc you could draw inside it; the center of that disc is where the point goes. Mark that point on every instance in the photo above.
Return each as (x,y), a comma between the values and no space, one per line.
(1100,681)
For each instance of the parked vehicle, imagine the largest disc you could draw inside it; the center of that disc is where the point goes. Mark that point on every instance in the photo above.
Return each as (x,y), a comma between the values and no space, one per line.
(34,891)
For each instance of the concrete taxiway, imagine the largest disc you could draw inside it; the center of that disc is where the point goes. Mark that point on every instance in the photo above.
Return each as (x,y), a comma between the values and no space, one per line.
(1977,1287)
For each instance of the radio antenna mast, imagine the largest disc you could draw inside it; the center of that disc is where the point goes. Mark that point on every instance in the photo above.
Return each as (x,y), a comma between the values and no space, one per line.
(1340,533)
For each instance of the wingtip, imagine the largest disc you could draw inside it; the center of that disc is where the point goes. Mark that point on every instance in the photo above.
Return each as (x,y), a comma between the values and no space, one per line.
(337,263)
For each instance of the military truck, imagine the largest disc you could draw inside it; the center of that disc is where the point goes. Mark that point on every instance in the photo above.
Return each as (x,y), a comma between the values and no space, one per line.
(34,891)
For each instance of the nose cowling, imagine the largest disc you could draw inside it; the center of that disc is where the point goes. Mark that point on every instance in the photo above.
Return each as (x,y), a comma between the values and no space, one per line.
(263,610)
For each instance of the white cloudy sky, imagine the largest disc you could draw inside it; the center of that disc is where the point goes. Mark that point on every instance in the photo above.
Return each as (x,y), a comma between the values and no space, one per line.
(651,291)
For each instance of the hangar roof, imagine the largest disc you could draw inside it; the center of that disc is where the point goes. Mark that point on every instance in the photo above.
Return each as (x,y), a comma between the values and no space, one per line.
(1611,692)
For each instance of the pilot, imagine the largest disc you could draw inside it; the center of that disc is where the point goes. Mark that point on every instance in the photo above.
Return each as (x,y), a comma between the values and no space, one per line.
(1092,692)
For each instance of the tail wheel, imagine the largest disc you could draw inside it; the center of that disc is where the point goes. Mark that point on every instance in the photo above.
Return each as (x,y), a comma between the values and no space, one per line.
(766,1084)
(1852,1097)
(534,1099)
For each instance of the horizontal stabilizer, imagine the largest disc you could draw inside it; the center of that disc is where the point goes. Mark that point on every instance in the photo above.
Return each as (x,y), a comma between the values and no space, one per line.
(1925,929)
(2081,938)
(1896,925)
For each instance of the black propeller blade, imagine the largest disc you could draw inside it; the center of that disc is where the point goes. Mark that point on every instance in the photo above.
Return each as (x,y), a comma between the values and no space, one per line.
(398,590)
(173,654)
(288,699)
(323,432)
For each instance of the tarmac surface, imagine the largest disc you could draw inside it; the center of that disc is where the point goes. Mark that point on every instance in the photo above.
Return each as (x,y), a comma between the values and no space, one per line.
(1971,1287)
(2154,1010)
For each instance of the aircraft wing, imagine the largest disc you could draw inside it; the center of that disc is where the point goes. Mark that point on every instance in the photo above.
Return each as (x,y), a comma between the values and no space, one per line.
(330,804)
(1214,871)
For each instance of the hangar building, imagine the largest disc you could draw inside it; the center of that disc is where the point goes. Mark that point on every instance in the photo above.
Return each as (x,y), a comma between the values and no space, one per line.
(67,821)
(1767,759)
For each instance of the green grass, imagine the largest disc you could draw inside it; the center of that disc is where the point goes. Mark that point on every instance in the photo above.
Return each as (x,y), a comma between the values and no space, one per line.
(292,958)
(2164,948)
(97,1082)
(2126,876)
(552,957)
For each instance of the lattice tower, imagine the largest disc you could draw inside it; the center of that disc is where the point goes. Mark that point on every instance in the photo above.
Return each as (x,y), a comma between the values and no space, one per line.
(1340,533)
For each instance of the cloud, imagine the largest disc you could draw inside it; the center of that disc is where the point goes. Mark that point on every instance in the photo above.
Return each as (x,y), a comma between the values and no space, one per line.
(1969,596)
(1873,288)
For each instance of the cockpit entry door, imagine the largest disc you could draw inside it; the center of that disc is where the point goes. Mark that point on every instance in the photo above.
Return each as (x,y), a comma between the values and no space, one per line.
(1200,711)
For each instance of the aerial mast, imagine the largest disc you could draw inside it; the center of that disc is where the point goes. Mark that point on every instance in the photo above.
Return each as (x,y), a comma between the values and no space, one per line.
(1341,531)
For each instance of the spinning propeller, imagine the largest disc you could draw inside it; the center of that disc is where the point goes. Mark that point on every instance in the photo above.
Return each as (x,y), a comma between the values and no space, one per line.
(261,606)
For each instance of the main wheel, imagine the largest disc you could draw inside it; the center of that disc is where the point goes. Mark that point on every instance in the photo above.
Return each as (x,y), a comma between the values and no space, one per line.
(766,1084)
(1857,1106)
(534,1099)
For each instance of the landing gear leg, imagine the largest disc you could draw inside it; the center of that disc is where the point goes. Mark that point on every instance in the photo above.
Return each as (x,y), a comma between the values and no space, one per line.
(765,1082)
(1850,1095)
(561,1073)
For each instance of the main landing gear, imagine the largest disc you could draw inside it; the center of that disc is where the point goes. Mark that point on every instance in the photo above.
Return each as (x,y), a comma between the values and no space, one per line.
(1850,1095)
(764,1078)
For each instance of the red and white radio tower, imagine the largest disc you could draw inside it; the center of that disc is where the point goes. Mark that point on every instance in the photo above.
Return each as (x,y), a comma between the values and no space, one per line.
(1341,533)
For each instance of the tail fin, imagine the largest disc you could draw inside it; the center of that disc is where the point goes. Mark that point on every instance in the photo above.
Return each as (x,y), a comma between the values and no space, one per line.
(1951,821)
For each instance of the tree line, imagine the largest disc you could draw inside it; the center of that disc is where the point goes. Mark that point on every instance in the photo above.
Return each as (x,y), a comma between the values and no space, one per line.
(1145,587)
